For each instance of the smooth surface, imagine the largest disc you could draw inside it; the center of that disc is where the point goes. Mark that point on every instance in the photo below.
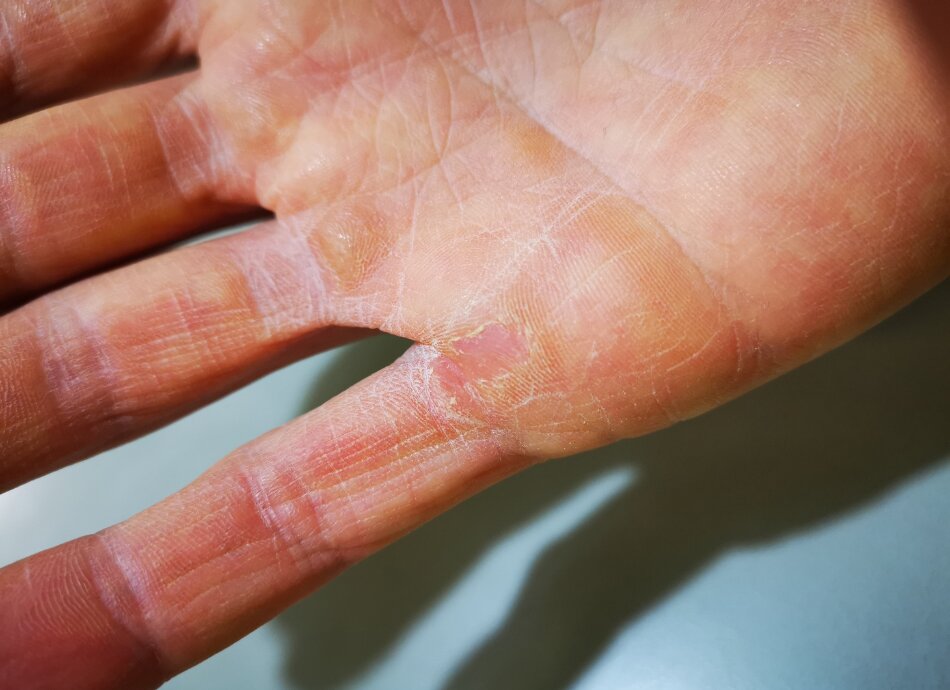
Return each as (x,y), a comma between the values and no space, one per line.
(799,537)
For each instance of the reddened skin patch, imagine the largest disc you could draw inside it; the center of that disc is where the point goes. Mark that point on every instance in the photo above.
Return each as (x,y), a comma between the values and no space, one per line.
(490,352)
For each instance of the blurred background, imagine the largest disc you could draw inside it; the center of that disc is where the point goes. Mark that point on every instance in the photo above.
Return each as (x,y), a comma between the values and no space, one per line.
(796,538)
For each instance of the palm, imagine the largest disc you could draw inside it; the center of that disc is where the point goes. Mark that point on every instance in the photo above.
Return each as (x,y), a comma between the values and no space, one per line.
(594,219)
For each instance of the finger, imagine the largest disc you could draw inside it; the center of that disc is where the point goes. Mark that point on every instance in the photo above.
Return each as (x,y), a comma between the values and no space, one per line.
(109,358)
(148,598)
(54,49)
(96,180)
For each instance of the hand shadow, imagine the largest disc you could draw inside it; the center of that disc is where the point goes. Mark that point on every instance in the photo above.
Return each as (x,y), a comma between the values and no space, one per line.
(805,449)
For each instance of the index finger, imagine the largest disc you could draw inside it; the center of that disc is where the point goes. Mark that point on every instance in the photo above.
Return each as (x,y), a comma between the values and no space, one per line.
(147,599)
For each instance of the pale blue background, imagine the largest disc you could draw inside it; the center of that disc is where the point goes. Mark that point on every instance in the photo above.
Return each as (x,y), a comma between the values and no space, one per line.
(797,538)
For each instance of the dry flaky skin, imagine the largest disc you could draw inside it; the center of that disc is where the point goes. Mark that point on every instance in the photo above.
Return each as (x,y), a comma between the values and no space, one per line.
(595,219)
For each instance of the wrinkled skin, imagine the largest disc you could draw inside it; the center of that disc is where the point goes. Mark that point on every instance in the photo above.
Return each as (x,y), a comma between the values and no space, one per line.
(594,219)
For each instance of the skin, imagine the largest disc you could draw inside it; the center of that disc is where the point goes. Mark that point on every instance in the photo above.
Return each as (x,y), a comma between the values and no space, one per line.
(594,220)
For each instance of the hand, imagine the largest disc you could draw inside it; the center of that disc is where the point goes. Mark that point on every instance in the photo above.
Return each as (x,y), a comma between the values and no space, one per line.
(594,220)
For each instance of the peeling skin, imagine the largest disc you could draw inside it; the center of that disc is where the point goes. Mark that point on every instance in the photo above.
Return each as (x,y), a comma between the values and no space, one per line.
(594,219)
(490,352)
(472,370)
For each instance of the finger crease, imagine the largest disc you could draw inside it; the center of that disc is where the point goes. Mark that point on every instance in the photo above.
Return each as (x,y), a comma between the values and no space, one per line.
(120,586)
